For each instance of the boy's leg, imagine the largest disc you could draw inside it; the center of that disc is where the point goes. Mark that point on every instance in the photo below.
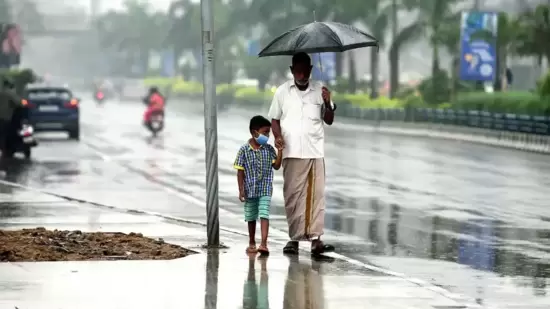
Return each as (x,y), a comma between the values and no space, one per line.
(264,204)
(251,216)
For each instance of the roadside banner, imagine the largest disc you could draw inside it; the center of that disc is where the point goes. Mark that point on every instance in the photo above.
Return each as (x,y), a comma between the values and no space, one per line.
(478,48)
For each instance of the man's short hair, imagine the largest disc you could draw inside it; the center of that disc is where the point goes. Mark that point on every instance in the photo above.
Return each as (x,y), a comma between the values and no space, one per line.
(258,122)
(301,58)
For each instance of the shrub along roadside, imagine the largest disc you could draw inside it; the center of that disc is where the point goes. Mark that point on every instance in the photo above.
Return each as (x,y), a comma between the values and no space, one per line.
(20,78)
(499,102)
(251,95)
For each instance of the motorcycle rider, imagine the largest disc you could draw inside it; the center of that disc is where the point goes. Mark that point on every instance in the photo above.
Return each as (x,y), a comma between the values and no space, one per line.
(9,101)
(155,101)
(98,88)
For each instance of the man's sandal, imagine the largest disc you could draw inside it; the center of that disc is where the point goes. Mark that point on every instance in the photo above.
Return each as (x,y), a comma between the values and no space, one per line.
(318,247)
(291,247)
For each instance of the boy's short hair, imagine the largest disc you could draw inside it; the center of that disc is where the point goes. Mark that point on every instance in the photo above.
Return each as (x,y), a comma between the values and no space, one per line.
(258,122)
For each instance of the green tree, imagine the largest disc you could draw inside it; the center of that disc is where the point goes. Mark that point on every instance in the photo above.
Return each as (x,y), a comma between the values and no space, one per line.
(184,27)
(533,31)
(230,20)
(377,18)
(448,37)
(137,31)
(432,17)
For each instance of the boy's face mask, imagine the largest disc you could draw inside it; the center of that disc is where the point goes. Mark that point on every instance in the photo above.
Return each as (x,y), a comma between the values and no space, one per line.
(261,139)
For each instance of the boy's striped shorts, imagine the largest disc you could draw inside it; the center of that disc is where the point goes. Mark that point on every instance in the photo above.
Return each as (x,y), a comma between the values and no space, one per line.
(255,208)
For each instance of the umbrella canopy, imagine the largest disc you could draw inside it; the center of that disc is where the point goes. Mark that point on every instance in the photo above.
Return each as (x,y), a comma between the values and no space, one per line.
(319,37)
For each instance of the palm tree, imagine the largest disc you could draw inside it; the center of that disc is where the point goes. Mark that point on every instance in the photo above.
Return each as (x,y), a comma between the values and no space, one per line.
(432,17)
(448,37)
(185,28)
(377,19)
(533,28)
(135,32)
(434,14)
(230,19)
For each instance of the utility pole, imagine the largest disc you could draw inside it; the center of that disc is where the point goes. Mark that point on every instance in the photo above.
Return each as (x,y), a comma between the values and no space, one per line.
(210,125)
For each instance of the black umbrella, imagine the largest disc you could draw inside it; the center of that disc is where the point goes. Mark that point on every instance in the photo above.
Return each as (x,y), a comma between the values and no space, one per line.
(319,37)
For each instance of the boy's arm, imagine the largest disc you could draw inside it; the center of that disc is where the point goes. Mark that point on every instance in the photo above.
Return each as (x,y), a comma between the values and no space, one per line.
(278,159)
(239,166)
(240,181)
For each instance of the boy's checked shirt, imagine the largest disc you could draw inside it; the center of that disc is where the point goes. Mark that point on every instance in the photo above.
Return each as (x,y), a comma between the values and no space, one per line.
(257,165)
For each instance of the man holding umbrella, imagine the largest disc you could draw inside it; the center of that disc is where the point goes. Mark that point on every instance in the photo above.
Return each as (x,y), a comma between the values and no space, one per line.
(298,110)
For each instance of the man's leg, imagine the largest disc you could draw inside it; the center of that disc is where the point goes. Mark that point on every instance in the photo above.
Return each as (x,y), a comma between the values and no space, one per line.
(295,174)
(317,208)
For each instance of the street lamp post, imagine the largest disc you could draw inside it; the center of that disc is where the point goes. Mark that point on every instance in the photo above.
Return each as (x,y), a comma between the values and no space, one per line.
(210,124)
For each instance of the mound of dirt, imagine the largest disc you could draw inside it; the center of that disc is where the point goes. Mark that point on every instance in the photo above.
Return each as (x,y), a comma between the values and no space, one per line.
(39,244)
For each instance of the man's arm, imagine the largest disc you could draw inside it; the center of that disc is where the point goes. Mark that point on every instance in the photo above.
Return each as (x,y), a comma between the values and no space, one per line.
(277,158)
(275,113)
(276,128)
(328,106)
(328,115)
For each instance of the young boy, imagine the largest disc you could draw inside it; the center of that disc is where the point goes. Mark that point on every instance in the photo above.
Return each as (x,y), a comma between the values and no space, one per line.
(255,163)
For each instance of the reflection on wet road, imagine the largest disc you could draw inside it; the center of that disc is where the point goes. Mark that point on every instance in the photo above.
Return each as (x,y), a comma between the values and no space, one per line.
(472,218)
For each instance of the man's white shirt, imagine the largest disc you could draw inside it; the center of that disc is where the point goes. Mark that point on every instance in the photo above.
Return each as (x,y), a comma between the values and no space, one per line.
(301,117)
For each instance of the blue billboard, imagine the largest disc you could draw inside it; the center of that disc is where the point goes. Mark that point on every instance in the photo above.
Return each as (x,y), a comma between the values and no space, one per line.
(328,71)
(478,46)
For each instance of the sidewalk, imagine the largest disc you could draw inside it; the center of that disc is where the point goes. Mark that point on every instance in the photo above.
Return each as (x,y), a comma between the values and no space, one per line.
(216,279)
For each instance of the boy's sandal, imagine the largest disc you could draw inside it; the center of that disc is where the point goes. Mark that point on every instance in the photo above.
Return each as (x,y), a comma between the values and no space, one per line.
(291,248)
(263,250)
(251,249)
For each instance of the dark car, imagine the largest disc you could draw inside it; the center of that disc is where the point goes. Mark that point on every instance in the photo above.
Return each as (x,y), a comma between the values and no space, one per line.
(53,109)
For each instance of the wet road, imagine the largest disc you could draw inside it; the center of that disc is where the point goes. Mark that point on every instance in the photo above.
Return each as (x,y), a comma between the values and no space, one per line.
(225,278)
(471,218)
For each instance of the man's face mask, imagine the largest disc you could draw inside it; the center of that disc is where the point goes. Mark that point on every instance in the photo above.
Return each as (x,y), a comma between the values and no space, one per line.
(301,73)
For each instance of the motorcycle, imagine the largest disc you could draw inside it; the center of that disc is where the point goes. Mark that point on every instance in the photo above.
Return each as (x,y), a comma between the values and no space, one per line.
(156,123)
(20,136)
(99,97)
